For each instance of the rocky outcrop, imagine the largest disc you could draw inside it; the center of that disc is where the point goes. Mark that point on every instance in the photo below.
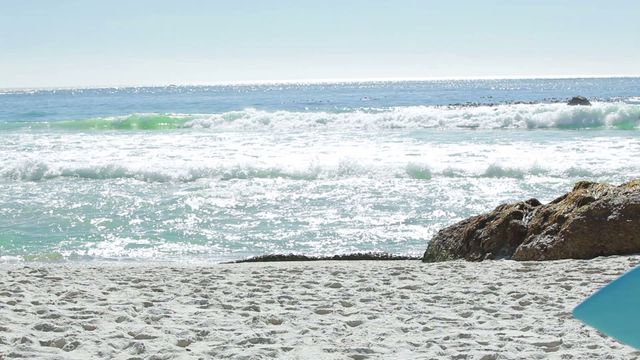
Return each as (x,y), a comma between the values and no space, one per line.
(592,220)
(579,100)
(488,236)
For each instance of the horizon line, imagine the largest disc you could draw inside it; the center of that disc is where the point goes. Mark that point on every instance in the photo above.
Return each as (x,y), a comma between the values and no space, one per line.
(326,81)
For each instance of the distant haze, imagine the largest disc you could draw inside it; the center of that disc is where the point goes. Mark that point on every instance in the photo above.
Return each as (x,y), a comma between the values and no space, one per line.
(114,43)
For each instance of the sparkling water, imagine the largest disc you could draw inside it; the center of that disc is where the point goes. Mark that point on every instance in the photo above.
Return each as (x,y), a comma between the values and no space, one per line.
(224,172)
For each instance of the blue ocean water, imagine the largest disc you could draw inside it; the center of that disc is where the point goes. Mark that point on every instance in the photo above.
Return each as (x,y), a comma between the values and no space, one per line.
(223,172)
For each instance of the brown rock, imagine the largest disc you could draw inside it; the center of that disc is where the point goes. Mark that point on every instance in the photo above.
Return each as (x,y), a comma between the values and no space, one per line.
(592,220)
(488,236)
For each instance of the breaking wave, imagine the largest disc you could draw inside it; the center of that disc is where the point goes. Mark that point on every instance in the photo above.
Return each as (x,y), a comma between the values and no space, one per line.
(40,171)
(515,116)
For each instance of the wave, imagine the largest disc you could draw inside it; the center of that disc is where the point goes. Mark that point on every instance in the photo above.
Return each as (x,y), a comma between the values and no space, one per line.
(40,171)
(37,171)
(496,171)
(617,115)
(418,171)
(130,122)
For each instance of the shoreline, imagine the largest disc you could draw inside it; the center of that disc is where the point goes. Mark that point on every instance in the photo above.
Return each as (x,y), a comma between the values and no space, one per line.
(204,261)
(321,309)
(358,256)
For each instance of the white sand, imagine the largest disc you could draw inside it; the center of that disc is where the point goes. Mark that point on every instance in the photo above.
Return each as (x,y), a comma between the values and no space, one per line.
(317,310)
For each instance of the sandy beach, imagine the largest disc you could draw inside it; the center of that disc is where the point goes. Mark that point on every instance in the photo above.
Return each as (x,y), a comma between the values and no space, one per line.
(305,310)
(319,180)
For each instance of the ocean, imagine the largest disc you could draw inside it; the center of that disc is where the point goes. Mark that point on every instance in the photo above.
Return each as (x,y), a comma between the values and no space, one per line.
(218,173)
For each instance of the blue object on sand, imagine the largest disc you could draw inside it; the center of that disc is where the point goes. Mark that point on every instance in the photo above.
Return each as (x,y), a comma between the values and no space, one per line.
(615,309)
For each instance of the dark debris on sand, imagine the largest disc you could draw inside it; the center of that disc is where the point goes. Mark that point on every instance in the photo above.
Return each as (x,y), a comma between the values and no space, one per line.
(354,256)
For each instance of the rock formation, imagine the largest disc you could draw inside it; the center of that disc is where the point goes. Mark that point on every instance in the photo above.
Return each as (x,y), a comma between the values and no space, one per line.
(579,100)
(592,220)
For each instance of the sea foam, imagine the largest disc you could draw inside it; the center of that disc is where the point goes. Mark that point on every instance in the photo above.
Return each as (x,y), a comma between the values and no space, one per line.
(512,116)
(344,169)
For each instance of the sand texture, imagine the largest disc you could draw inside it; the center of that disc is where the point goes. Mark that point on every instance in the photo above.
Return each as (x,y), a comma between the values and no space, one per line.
(297,310)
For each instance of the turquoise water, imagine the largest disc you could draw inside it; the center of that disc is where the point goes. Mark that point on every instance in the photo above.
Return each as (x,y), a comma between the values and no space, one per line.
(224,172)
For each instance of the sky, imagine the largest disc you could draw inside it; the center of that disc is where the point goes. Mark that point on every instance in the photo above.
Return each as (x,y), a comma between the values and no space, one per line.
(67,43)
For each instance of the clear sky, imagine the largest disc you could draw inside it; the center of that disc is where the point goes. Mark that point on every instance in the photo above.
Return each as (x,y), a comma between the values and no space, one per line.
(50,43)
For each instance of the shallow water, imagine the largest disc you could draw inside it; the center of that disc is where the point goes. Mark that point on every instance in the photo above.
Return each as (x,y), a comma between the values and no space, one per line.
(220,173)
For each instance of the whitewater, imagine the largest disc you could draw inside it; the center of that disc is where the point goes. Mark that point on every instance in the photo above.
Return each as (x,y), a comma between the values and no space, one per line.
(224,172)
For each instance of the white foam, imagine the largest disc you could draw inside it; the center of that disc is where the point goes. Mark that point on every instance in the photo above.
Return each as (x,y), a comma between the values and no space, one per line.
(516,116)
(345,168)
(618,115)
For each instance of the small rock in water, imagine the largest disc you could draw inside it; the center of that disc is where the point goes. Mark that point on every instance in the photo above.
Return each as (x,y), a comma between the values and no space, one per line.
(579,100)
